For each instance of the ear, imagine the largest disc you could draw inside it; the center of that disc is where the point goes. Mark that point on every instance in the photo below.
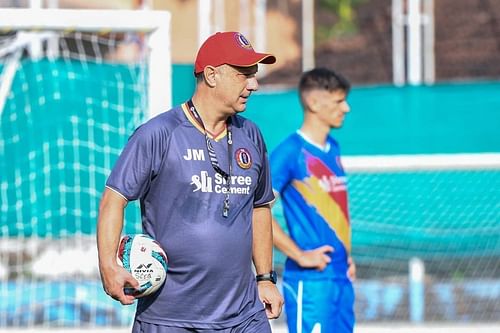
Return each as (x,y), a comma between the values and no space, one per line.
(312,101)
(209,74)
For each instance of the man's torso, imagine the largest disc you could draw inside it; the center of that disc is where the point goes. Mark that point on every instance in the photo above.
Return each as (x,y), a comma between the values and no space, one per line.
(210,282)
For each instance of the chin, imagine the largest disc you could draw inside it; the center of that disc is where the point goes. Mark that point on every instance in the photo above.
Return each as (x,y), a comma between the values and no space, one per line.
(240,109)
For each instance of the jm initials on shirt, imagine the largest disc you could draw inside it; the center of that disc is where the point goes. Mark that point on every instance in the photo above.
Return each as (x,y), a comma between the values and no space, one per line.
(194,154)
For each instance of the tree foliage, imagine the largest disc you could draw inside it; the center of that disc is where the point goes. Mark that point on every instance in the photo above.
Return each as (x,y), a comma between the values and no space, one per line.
(345,12)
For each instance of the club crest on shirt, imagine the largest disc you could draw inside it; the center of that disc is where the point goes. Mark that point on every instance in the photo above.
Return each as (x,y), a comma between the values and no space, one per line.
(243,158)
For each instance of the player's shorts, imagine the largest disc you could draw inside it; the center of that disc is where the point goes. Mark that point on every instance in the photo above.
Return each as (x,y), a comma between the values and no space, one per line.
(319,306)
(257,323)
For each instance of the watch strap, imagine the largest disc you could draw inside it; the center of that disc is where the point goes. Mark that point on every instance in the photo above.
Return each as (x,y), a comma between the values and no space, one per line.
(271,276)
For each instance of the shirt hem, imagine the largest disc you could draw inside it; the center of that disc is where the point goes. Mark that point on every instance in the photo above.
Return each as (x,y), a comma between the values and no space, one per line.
(195,324)
(297,276)
(117,192)
(265,203)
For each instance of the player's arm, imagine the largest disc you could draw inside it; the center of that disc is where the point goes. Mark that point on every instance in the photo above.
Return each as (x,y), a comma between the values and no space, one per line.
(351,268)
(263,260)
(317,258)
(109,228)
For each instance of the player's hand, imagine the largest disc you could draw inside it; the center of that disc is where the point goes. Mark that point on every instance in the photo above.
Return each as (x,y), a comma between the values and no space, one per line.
(114,279)
(317,258)
(351,269)
(271,298)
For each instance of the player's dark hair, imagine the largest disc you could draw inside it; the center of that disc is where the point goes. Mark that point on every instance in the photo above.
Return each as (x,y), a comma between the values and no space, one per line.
(323,79)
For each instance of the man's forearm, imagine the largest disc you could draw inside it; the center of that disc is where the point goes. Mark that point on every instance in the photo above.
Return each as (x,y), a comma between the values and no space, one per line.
(262,240)
(109,226)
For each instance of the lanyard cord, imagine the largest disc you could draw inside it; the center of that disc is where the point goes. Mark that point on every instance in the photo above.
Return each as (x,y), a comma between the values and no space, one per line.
(213,156)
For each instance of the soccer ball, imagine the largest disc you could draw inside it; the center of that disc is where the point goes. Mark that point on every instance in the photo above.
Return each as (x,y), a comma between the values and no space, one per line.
(143,257)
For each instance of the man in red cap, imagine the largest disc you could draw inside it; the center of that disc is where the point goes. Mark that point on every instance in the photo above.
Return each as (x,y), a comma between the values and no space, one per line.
(202,175)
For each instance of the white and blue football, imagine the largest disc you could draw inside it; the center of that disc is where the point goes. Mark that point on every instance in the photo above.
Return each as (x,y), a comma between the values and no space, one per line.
(144,258)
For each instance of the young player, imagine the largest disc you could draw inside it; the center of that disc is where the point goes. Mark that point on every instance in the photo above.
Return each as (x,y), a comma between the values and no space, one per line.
(308,175)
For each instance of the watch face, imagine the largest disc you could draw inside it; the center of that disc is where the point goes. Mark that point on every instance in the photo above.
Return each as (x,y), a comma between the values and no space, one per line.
(274,277)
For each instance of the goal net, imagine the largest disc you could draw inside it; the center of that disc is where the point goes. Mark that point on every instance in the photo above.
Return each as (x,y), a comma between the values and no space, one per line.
(74,84)
(426,237)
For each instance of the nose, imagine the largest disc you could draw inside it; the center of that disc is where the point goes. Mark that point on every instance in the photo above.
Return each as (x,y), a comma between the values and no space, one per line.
(346,108)
(252,84)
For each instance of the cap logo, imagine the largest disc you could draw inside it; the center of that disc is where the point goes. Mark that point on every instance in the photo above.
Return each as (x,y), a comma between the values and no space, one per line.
(243,158)
(244,43)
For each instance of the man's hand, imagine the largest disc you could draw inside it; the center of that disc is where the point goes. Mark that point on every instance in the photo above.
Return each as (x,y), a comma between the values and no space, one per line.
(317,258)
(271,298)
(351,269)
(114,279)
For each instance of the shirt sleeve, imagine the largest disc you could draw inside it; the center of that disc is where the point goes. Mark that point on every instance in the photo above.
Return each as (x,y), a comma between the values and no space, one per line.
(281,163)
(264,191)
(138,163)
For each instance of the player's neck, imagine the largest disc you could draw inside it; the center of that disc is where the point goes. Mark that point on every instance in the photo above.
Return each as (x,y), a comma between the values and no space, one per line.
(316,134)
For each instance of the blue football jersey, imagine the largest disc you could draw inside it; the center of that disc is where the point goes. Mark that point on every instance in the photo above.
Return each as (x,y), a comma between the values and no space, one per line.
(313,188)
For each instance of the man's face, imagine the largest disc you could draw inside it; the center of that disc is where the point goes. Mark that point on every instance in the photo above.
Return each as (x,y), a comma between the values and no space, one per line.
(330,106)
(235,85)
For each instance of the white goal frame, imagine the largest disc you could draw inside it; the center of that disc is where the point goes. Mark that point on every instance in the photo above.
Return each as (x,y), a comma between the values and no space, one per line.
(414,162)
(35,28)
(155,23)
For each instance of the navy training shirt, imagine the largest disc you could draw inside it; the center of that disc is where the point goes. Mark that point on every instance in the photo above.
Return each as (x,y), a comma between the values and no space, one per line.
(165,164)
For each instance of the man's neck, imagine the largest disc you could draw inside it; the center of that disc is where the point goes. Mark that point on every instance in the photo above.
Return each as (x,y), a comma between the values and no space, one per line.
(213,121)
(315,133)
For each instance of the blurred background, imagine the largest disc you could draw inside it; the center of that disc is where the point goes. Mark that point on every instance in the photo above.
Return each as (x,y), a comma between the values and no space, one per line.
(421,145)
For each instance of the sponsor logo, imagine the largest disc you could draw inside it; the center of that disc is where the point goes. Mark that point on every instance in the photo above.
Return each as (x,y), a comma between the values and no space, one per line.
(217,184)
(144,268)
(143,272)
(332,183)
(243,158)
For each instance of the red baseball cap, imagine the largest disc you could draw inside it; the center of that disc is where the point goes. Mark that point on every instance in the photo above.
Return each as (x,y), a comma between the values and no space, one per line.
(230,48)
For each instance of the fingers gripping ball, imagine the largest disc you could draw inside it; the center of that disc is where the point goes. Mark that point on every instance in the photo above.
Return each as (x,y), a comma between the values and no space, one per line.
(143,257)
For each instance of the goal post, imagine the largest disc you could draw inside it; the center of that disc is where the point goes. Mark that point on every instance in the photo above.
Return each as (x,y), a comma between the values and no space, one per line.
(74,84)
(386,163)
(155,23)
